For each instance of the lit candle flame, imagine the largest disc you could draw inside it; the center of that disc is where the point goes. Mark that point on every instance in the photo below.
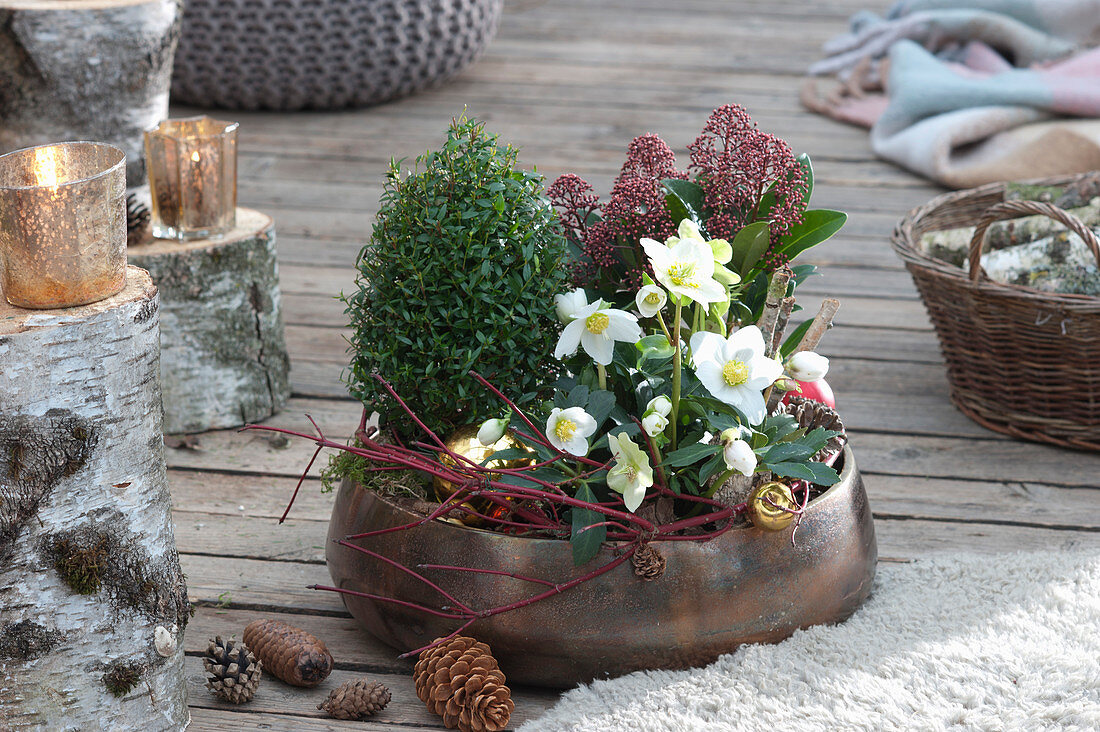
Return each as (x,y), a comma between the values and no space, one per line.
(45,166)
(195,156)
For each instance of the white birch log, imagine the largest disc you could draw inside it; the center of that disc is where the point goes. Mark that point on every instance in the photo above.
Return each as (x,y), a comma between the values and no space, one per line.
(223,352)
(92,599)
(86,70)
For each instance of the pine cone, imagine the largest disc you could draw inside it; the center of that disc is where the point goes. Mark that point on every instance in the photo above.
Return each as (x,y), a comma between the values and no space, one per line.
(138,229)
(460,681)
(649,563)
(234,671)
(356,699)
(289,653)
(810,415)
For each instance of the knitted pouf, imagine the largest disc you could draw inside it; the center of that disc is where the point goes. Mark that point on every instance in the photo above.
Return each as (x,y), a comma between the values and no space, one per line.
(324,54)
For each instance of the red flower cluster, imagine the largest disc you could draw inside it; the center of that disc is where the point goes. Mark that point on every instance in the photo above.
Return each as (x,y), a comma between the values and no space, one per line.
(732,161)
(735,163)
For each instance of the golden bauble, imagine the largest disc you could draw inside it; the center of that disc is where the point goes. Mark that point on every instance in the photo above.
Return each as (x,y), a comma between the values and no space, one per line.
(766,516)
(464,442)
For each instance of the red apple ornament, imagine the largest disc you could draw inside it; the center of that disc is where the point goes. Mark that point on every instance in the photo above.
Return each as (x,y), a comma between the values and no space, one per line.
(818,391)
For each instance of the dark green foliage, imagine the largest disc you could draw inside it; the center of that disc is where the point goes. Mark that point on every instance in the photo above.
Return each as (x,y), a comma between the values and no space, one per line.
(460,273)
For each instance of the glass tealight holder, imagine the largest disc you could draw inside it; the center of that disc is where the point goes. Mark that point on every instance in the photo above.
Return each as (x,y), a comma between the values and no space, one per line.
(62,224)
(192,166)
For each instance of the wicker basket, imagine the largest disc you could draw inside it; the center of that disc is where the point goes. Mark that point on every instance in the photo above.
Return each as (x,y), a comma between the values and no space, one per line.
(1019,361)
(324,54)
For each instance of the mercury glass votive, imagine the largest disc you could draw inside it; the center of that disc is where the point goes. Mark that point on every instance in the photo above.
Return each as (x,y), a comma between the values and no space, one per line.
(192,165)
(62,224)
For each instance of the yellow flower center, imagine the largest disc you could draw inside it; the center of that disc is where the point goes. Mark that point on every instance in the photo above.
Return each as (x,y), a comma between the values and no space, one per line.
(682,274)
(653,298)
(597,323)
(735,373)
(565,429)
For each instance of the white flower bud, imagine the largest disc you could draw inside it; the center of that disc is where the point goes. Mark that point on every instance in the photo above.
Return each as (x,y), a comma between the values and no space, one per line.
(659,404)
(654,424)
(739,456)
(568,303)
(807,366)
(491,431)
(650,300)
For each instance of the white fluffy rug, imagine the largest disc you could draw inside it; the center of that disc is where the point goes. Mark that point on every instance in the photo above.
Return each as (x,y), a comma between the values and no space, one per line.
(1009,642)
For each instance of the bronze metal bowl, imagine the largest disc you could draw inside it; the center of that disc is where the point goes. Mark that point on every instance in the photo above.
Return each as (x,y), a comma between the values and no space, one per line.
(746,586)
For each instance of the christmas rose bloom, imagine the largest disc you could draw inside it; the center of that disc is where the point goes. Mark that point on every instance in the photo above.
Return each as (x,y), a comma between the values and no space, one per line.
(569,429)
(738,455)
(662,405)
(720,249)
(491,431)
(654,423)
(735,370)
(595,328)
(568,303)
(632,473)
(807,366)
(686,269)
(650,300)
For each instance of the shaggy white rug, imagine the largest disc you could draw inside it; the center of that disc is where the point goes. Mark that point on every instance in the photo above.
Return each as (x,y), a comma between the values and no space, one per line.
(1008,642)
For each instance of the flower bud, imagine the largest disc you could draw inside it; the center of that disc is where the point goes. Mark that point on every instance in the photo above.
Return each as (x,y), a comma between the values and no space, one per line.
(491,431)
(807,366)
(659,404)
(568,303)
(739,456)
(650,300)
(654,423)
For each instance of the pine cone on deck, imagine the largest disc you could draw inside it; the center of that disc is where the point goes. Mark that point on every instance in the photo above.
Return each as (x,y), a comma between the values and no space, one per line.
(234,671)
(460,681)
(810,415)
(289,653)
(649,563)
(138,228)
(357,699)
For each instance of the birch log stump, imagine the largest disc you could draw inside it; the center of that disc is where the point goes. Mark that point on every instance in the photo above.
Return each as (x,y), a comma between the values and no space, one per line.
(223,352)
(92,600)
(86,70)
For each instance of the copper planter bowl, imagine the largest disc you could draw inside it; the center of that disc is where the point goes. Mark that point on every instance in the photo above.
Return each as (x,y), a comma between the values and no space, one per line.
(746,586)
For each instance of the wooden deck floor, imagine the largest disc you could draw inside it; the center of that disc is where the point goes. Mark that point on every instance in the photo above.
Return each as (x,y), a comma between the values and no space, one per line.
(571,82)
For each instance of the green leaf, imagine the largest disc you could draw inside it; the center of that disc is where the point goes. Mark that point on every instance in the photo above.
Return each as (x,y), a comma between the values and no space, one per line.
(578,396)
(817,473)
(778,426)
(654,347)
(817,226)
(586,542)
(749,246)
(690,454)
(600,404)
(684,199)
(794,338)
(711,467)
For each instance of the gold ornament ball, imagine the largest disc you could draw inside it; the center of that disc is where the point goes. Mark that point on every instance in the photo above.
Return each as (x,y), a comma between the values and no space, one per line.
(766,516)
(464,442)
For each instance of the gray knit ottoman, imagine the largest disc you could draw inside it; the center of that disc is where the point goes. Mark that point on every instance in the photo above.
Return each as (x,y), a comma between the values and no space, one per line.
(324,54)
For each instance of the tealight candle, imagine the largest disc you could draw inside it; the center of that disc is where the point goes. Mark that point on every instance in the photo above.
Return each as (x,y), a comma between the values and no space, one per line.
(62,224)
(192,165)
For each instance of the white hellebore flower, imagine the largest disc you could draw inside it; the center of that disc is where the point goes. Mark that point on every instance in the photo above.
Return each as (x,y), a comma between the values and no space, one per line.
(659,404)
(686,268)
(491,431)
(650,300)
(738,455)
(569,429)
(595,328)
(632,473)
(735,369)
(568,303)
(807,366)
(654,423)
